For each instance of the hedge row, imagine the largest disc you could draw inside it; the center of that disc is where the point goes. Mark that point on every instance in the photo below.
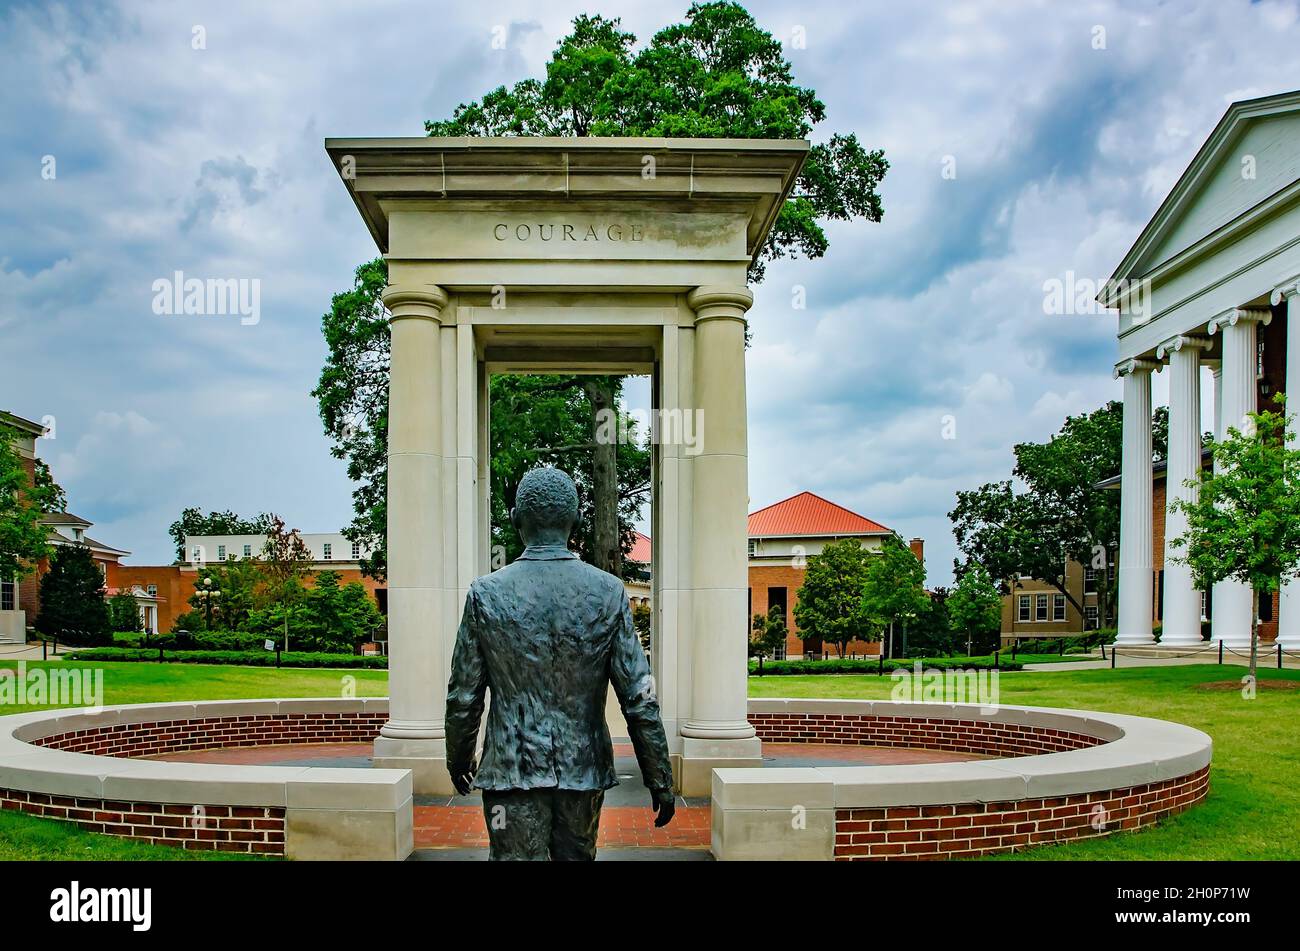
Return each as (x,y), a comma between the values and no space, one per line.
(262,658)
(848,665)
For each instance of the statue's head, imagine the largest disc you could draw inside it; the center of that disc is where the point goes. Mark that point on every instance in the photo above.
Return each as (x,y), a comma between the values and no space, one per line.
(546,507)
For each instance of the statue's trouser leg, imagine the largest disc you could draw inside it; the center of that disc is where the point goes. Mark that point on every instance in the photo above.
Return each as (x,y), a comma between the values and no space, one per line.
(519,824)
(575,821)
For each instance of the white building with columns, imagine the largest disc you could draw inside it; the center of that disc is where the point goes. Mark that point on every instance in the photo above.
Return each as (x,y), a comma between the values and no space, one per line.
(1206,294)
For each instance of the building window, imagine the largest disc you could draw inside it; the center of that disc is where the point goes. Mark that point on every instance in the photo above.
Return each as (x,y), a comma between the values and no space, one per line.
(1089,579)
(1204,616)
(221,553)
(248,551)
(8,596)
(1058,607)
(197,553)
(1040,607)
(356,550)
(1023,613)
(153,590)
(753,548)
(1090,617)
(329,549)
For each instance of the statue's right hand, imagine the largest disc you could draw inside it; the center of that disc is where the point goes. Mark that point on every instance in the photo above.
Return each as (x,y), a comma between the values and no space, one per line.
(462,777)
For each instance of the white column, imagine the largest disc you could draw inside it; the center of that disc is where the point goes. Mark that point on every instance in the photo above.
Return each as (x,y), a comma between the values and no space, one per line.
(716,732)
(1288,618)
(414,737)
(1230,621)
(1135,563)
(1181,617)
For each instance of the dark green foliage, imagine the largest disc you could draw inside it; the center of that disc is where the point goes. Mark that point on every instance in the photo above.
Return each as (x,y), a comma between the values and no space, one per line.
(72,599)
(262,658)
(124,613)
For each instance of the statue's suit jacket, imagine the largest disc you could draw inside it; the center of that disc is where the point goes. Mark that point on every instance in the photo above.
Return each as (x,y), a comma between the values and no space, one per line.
(548,634)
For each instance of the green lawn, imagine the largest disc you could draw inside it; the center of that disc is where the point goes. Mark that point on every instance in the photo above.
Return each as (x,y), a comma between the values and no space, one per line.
(1253,808)
(1252,811)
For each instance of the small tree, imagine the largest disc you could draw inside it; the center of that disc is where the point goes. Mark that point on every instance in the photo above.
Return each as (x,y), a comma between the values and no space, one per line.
(894,588)
(22,503)
(286,563)
(124,613)
(975,605)
(1244,522)
(829,605)
(72,599)
(239,581)
(769,632)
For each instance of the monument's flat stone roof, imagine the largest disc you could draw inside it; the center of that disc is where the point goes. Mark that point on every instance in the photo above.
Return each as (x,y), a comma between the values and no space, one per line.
(754,174)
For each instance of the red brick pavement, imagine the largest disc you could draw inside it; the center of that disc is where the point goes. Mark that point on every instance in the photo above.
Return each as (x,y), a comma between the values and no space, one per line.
(621,827)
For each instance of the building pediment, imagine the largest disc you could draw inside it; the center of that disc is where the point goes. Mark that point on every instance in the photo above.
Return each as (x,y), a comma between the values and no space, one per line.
(1248,168)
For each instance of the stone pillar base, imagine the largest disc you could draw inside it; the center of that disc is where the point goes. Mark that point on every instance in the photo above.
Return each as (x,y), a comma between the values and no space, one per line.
(700,757)
(425,758)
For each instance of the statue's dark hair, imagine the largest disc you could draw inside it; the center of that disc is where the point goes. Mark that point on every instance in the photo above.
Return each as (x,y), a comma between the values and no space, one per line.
(547,498)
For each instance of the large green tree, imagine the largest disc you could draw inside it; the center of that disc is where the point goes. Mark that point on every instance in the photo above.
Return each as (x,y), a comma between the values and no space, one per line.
(22,505)
(1244,523)
(975,605)
(893,591)
(1053,511)
(716,75)
(73,608)
(829,606)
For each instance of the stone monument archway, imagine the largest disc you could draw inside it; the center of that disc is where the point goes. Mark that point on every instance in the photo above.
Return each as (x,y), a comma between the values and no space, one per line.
(612,256)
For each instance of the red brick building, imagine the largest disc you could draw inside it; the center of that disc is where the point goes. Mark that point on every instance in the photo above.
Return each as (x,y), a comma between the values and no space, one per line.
(783,536)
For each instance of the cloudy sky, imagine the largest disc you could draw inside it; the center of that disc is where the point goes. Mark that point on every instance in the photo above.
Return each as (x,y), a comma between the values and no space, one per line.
(1065,125)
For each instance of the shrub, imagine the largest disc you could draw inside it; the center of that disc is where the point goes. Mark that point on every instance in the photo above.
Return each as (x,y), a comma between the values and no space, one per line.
(260,658)
(845,665)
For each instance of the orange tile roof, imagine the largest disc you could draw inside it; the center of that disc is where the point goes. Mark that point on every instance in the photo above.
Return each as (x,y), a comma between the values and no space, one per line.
(640,549)
(808,514)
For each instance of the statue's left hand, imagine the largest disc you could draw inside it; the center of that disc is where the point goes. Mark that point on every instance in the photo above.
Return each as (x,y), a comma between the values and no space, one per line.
(462,777)
(664,804)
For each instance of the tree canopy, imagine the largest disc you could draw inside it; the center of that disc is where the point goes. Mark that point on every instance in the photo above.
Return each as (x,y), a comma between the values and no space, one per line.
(194,522)
(72,599)
(716,75)
(829,606)
(22,505)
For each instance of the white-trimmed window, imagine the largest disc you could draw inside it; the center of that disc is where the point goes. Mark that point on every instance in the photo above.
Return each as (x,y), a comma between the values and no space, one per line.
(248,551)
(8,595)
(153,590)
(1090,617)
(1058,607)
(753,548)
(197,553)
(328,551)
(356,550)
(221,553)
(1023,608)
(1040,607)
(1203,615)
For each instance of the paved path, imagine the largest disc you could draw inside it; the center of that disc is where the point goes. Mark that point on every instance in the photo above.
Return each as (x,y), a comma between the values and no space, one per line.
(1267,660)
(452,828)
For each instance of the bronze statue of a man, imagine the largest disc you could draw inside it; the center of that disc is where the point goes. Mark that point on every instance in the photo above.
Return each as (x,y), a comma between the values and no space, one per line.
(548,634)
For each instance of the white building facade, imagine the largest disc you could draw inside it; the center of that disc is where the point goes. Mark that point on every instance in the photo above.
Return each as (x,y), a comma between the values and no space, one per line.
(1218,262)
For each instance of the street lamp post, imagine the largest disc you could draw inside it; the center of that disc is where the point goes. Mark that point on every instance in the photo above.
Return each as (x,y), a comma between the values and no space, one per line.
(207,595)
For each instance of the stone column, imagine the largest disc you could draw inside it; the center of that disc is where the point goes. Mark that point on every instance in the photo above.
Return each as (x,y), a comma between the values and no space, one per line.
(1288,618)
(414,737)
(1232,599)
(1135,567)
(716,732)
(1181,624)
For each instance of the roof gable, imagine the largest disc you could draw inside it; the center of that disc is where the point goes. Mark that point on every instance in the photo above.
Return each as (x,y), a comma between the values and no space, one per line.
(1255,137)
(809,514)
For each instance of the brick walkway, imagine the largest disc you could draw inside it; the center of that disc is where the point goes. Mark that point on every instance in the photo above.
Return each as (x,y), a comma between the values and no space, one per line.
(626,822)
